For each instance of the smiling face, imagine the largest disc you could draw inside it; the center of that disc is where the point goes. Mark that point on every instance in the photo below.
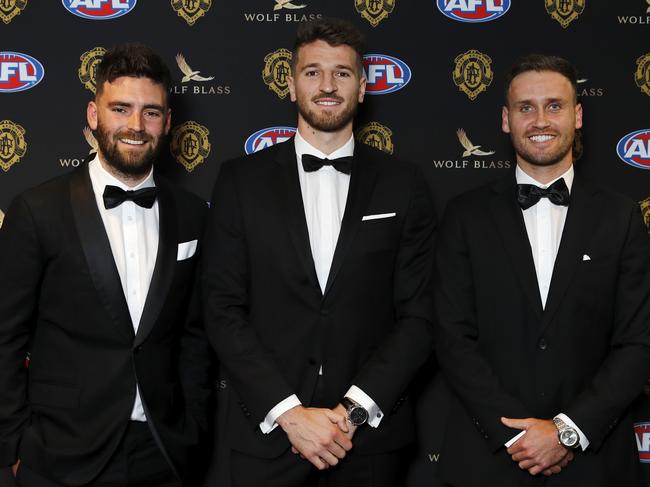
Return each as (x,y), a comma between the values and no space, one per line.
(327,87)
(541,117)
(130,118)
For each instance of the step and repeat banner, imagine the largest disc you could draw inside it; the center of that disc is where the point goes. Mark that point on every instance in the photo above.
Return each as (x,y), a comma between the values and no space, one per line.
(435,72)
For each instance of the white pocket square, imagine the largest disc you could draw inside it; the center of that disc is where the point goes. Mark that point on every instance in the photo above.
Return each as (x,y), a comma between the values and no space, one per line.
(378,216)
(585,257)
(186,249)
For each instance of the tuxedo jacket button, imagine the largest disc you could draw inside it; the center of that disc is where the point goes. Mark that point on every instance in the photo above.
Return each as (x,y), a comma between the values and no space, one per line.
(542,344)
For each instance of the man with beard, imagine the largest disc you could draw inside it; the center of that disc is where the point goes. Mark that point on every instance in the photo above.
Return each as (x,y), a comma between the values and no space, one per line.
(97,270)
(317,288)
(543,304)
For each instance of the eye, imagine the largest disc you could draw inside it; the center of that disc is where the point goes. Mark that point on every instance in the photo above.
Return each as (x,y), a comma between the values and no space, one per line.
(118,109)
(311,72)
(342,74)
(526,108)
(555,107)
(152,114)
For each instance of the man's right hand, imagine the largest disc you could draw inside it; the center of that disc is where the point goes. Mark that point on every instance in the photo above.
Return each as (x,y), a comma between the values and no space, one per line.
(318,434)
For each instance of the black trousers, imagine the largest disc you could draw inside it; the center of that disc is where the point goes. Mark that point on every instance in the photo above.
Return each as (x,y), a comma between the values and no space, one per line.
(289,470)
(137,462)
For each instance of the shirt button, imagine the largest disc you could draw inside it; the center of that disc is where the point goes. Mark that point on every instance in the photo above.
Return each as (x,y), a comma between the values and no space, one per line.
(542,344)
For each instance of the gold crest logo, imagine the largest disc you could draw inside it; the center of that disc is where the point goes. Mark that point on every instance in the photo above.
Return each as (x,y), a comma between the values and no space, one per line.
(10,8)
(191,10)
(288,4)
(470,149)
(374,11)
(565,11)
(376,135)
(190,145)
(88,69)
(2,217)
(473,73)
(645,210)
(642,74)
(12,144)
(277,69)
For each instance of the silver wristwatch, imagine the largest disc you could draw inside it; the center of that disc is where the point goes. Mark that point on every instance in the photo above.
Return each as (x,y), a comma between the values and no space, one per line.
(567,435)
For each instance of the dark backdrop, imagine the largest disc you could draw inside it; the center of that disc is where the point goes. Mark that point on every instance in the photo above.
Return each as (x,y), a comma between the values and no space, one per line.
(433,74)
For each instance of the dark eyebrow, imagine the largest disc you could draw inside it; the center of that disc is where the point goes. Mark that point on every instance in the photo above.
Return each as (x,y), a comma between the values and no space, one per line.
(149,106)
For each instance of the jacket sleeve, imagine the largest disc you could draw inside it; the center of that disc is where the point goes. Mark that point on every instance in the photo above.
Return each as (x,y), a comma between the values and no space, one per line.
(620,378)
(21,267)
(252,371)
(466,370)
(392,366)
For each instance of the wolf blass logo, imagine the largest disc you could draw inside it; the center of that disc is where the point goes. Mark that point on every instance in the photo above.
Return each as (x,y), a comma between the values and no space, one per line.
(637,19)
(471,149)
(585,92)
(276,16)
(76,162)
(189,75)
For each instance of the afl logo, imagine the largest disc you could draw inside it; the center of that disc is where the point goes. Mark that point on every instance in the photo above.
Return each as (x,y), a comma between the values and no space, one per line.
(385,74)
(473,11)
(634,149)
(642,433)
(99,9)
(267,137)
(19,72)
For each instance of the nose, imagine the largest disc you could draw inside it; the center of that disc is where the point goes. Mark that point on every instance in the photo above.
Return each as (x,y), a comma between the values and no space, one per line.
(135,122)
(541,121)
(328,83)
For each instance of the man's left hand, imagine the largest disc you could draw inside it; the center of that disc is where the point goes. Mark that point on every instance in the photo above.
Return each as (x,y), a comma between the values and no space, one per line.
(539,449)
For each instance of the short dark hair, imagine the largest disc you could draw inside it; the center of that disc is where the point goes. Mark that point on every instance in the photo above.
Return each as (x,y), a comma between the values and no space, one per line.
(543,62)
(135,60)
(336,32)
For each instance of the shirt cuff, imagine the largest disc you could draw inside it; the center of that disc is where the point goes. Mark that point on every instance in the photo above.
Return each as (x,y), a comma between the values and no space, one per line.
(514,439)
(280,408)
(365,401)
(584,442)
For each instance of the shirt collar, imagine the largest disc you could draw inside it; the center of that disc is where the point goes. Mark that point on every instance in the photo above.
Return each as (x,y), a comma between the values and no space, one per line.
(523,178)
(304,147)
(102,178)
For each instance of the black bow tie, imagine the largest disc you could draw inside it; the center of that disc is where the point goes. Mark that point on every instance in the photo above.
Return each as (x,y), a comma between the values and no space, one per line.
(312,163)
(114,196)
(528,194)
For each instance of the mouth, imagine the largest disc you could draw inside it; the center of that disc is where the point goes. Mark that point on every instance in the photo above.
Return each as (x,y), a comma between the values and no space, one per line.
(541,138)
(328,102)
(132,142)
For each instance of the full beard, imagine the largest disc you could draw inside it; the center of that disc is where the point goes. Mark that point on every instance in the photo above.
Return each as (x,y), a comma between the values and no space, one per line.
(133,163)
(327,122)
(543,159)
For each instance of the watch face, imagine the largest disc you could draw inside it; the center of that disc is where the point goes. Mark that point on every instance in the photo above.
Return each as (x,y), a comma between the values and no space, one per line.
(358,416)
(569,437)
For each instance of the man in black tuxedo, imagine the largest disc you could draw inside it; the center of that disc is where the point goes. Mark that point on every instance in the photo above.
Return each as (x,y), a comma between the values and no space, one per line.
(97,270)
(317,287)
(543,304)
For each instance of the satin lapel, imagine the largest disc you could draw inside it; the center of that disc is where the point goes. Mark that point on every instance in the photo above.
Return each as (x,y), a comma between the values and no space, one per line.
(362,181)
(165,262)
(510,224)
(287,188)
(581,217)
(97,250)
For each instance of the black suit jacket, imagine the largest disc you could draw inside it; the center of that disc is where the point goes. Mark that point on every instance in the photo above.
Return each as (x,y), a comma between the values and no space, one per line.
(265,313)
(587,354)
(62,301)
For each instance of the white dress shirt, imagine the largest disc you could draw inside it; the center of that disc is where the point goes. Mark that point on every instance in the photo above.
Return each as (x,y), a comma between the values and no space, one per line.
(133,235)
(324,193)
(544,225)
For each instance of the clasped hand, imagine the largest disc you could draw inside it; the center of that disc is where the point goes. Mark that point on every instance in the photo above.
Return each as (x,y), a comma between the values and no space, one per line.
(320,435)
(538,450)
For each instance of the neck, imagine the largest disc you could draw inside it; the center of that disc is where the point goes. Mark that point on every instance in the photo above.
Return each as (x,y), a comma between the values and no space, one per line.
(131,180)
(326,142)
(545,174)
